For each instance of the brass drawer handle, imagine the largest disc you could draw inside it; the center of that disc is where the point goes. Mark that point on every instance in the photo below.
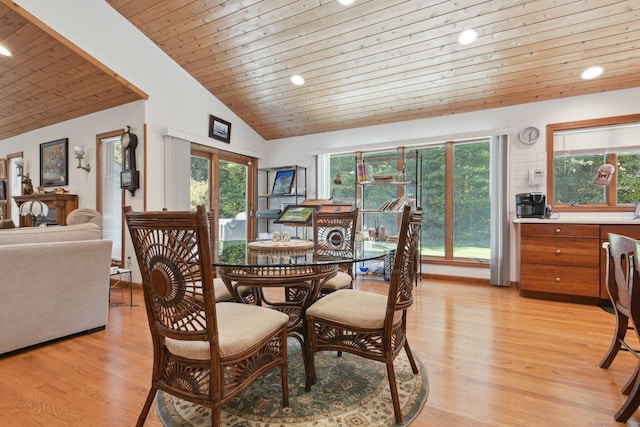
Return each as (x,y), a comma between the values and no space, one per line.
(557,251)
(557,279)
(557,230)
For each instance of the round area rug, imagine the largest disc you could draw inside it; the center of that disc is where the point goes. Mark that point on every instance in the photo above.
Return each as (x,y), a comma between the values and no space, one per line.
(351,391)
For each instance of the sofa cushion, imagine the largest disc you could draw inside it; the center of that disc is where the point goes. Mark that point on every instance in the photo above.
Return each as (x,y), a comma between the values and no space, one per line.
(87,231)
(84,215)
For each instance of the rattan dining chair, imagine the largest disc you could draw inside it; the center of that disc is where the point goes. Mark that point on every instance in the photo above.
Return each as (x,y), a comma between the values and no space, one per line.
(334,235)
(369,325)
(203,352)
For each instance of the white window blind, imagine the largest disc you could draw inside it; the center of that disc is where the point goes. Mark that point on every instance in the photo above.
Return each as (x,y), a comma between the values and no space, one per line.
(597,140)
(111,199)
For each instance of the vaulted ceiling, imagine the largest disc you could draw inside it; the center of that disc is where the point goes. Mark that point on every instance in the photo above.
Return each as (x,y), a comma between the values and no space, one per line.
(382,61)
(48,79)
(371,63)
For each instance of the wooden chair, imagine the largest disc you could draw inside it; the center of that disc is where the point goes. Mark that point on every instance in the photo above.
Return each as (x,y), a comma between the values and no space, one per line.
(204,352)
(334,235)
(621,272)
(367,324)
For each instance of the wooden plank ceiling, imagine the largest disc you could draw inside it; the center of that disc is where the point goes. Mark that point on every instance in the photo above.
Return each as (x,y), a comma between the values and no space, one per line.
(372,63)
(47,79)
(388,61)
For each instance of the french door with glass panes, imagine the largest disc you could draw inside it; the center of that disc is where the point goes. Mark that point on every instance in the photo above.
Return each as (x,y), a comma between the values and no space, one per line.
(224,182)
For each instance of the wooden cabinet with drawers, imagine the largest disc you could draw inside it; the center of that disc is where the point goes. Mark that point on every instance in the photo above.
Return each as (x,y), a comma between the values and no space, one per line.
(567,258)
(560,259)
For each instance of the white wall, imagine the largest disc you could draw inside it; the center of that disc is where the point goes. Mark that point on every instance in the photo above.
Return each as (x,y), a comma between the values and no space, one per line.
(80,131)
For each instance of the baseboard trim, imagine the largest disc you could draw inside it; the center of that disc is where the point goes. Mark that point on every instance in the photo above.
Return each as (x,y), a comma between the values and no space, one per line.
(44,343)
(456,279)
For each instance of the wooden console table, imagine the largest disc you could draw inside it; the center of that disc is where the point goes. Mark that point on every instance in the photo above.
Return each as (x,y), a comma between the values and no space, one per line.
(63,204)
(565,256)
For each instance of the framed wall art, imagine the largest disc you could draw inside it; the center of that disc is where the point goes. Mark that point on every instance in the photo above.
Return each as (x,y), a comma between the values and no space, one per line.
(54,163)
(219,129)
(283,182)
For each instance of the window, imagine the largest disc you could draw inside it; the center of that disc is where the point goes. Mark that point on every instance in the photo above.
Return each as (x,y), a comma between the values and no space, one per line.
(454,193)
(111,194)
(456,200)
(575,151)
(342,177)
(199,186)
(223,182)
(471,200)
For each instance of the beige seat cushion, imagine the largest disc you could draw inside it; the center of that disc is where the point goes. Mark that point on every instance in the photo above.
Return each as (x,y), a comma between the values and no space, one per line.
(220,291)
(240,326)
(363,310)
(341,280)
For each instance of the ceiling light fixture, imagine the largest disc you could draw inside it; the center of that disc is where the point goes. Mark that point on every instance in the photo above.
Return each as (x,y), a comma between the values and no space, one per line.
(4,51)
(346,2)
(297,80)
(591,73)
(467,37)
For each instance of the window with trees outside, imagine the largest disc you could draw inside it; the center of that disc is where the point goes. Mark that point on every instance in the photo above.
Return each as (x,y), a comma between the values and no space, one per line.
(199,187)
(576,150)
(455,186)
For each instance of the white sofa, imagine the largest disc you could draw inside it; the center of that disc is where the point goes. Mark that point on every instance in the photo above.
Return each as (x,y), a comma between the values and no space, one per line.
(54,282)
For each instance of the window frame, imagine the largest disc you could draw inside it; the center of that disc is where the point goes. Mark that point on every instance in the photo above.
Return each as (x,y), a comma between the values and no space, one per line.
(611,196)
(400,152)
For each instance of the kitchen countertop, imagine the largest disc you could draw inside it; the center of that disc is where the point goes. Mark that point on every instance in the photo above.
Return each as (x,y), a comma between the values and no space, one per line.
(567,219)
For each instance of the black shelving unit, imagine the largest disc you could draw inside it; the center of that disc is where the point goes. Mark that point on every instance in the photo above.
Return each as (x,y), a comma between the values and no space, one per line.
(270,205)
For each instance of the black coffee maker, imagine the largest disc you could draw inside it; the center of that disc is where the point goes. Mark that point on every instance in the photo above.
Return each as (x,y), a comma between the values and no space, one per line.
(530,205)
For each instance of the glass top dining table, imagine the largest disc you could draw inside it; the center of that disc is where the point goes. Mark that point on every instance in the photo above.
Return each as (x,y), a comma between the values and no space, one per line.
(240,253)
(287,278)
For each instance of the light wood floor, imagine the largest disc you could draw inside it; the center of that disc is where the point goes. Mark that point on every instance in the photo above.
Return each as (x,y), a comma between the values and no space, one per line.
(493,359)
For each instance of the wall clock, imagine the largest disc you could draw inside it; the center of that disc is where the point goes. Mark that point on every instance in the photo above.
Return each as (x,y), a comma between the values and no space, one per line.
(129,177)
(529,135)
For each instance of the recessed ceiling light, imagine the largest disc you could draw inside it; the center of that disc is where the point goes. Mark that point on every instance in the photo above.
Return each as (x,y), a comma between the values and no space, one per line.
(346,2)
(467,37)
(297,80)
(591,73)
(4,51)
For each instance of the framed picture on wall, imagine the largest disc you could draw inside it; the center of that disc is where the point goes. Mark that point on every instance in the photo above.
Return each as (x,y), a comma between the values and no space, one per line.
(219,129)
(54,163)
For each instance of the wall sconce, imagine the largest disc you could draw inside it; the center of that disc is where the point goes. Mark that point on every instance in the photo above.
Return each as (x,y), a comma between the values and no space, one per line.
(79,150)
